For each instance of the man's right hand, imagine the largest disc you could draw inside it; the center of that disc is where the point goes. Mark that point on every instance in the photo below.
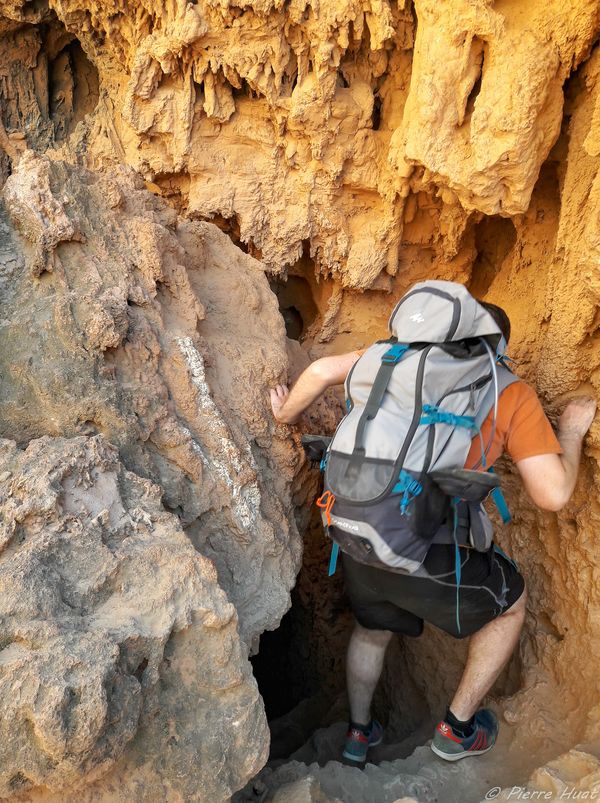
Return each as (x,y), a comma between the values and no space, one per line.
(577,417)
(550,478)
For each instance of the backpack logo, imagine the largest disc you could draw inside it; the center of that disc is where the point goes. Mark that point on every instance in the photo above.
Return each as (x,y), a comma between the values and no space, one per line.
(345,524)
(417,317)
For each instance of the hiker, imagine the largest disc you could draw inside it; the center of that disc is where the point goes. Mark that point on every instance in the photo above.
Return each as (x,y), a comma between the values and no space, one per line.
(460,581)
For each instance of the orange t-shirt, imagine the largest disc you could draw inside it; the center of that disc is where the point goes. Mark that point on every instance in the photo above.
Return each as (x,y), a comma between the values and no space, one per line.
(522,428)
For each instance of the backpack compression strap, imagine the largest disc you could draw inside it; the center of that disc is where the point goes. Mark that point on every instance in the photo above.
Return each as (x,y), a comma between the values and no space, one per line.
(505,378)
(382,379)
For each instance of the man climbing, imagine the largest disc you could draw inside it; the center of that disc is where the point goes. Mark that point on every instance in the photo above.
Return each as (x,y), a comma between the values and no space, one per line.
(491,605)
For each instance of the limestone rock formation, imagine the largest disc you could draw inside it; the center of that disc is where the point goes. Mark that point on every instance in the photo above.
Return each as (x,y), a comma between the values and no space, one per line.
(312,134)
(485,103)
(119,650)
(121,323)
(138,336)
(574,775)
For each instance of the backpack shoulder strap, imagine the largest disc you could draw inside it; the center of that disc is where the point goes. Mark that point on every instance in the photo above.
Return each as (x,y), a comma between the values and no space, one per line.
(388,362)
(505,378)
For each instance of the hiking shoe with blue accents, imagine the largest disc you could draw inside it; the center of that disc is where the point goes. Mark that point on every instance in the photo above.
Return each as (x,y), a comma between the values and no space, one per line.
(449,745)
(357,743)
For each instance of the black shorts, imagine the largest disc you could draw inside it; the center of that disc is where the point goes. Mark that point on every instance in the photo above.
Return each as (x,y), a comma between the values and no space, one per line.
(382,600)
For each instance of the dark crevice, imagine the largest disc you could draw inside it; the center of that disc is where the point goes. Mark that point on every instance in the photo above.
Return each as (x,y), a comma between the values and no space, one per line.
(300,666)
(244,90)
(73,89)
(277,668)
(376,114)
(43,104)
(34,8)
(296,304)
(231,227)
(473,94)
(495,238)
(139,672)
(477,57)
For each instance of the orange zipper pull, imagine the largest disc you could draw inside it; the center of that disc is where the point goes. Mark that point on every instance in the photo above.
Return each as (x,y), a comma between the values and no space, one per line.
(325,501)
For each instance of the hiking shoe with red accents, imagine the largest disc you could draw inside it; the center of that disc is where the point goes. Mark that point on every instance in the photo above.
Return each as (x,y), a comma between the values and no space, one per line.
(449,745)
(357,743)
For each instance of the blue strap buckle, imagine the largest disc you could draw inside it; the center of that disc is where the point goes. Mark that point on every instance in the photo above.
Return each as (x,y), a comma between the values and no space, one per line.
(395,354)
(500,502)
(433,415)
(409,488)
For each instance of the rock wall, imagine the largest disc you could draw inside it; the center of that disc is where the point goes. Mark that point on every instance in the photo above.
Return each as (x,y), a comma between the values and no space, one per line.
(310,125)
(121,326)
(135,315)
(350,149)
(120,652)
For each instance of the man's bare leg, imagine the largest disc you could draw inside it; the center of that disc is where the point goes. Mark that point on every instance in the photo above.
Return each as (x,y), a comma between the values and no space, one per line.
(366,652)
(489,650)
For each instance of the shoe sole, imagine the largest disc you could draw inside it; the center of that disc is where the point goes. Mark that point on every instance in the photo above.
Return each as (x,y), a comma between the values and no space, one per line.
(362,760)
(458,756)
(355,759)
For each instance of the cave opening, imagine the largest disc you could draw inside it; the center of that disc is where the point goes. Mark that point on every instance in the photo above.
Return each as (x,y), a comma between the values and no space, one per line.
(73,89)
(495,237)
(42,105)
(299,667)
(296,304)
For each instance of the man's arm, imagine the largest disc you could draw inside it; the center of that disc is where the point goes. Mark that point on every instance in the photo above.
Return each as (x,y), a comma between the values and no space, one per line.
(550,479)
(288,405)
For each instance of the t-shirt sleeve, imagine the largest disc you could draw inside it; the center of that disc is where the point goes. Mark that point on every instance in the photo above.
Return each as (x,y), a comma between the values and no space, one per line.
(530,433)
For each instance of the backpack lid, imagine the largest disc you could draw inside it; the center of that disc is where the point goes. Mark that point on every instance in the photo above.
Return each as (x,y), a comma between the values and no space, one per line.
(441,312)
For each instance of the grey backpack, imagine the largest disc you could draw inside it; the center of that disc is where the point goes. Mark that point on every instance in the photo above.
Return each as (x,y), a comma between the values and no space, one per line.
(394,471)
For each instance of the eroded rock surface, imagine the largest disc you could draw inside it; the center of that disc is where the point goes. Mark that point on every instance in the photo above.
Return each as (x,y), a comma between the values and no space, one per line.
(121,325)
(120,319)
(120,652)
(306,126)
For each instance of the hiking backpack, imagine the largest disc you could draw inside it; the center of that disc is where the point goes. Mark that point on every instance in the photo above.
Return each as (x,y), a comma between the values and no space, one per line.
(394,480)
